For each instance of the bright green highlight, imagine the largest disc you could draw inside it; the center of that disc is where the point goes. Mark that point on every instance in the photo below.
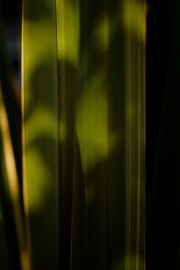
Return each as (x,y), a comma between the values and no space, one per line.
(43,50)
(92,124)
(133,12)
(42,177)
(47,127)
(101,34)
(68,31)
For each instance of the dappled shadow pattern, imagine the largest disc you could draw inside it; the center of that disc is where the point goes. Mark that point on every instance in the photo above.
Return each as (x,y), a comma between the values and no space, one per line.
(92,152)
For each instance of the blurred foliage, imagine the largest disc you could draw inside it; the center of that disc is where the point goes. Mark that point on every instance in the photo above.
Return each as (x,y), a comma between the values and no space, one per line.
(83,126)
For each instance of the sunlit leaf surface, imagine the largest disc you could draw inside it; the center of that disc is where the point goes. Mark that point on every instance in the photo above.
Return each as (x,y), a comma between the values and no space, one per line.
(83,133)
(40,133)
(102,141)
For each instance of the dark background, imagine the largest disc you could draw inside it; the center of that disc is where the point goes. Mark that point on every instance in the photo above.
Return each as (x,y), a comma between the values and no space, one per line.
(163,135)
(12,13)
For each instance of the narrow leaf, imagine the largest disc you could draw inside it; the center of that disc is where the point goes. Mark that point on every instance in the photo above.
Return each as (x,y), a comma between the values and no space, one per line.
(40,133)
